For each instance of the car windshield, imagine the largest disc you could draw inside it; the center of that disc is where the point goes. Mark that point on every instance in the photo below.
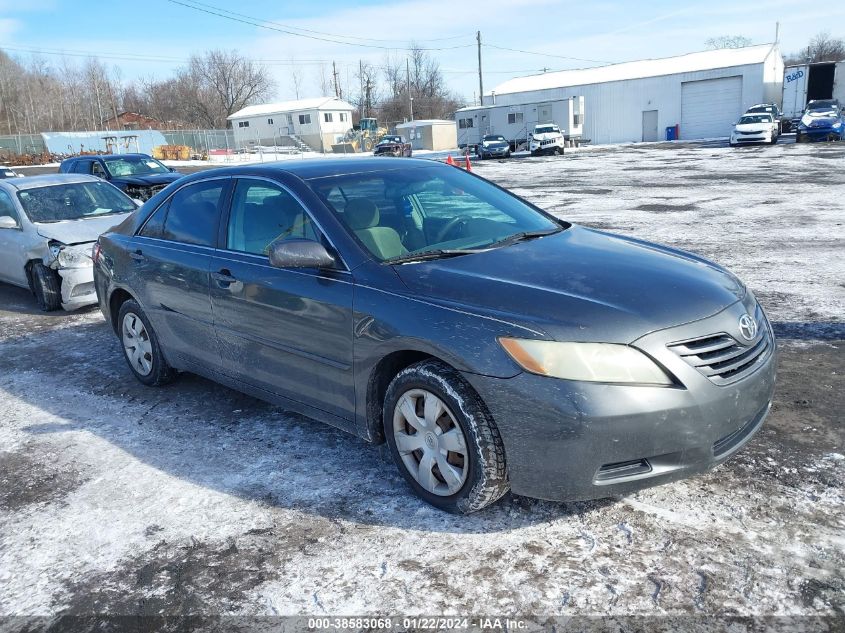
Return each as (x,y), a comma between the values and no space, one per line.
(73,201)
(761,109)
(402,213)
(757,118)
(134,166)
(546,129)
(494,137)
(823,106)
(391,139)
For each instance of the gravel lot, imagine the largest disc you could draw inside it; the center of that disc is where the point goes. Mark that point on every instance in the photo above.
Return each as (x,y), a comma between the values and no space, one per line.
(194,499)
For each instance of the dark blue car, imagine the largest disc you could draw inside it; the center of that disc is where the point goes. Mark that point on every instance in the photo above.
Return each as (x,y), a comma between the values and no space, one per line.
(139,176)
(822,121)
(491,345)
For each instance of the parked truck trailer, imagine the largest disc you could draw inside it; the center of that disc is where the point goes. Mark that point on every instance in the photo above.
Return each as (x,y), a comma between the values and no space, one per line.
(808,82)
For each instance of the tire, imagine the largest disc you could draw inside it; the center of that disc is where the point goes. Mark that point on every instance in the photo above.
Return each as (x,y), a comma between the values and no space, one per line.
(47,286)
(148,364)
(731,143)
(508,154)
(774,139)
(799,138)
(478,476)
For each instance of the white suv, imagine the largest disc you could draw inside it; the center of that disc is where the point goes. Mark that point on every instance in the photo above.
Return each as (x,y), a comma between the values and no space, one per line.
(546,139)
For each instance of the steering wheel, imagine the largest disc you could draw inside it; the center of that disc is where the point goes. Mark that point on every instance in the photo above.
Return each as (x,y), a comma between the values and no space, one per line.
(448,228)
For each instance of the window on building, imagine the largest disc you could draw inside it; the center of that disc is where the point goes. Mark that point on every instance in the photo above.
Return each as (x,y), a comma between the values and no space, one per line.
(342,116)
(327,117)
(465,123)
(576,119)
(243,123)
(514,117)
(269,121)
(290,119)
(305,119)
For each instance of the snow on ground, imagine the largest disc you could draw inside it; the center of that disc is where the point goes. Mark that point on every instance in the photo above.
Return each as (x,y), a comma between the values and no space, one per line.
(194,499)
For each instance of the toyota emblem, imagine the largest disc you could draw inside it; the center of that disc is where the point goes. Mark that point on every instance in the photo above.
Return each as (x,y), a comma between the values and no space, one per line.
(747,327)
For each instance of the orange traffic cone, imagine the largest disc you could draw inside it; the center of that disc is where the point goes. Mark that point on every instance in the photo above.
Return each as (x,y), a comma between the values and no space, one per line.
(469,167)
(450,160)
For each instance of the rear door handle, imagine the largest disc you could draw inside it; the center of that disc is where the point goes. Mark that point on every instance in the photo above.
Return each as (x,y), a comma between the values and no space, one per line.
(223,278)
(138,256)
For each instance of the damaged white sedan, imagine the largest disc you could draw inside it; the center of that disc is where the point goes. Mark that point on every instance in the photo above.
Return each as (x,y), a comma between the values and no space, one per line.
(48,226)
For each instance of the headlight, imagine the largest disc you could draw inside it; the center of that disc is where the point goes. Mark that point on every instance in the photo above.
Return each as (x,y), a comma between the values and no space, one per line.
(591,362)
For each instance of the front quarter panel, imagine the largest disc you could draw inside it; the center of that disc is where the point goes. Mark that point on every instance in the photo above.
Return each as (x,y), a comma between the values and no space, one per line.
(388,319)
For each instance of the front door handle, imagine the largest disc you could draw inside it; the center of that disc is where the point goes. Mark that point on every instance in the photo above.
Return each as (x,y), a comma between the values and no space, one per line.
(223,278)
(138,256)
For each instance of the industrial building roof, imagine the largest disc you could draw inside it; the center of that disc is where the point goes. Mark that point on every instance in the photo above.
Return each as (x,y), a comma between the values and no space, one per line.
(319,103)
(416,122)
(706,60)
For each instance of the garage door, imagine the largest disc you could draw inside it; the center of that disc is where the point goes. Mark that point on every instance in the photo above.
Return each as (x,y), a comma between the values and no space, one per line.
(710,107)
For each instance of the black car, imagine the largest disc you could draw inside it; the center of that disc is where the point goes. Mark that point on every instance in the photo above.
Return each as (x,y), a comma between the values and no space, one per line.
(490,344)
(393,145)
(138,175)
(494,146)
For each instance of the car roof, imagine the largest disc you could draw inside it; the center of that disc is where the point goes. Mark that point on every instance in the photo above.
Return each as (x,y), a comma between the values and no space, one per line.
(88,156)
(46,180)
(320,168)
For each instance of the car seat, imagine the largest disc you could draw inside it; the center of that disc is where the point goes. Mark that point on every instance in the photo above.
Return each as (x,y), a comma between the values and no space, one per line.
(362,217)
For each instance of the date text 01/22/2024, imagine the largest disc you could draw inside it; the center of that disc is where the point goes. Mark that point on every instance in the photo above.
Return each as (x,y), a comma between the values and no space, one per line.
(416,623)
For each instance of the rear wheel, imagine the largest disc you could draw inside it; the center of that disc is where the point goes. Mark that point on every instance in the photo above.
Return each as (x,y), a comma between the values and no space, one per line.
(47,286)
(443,439)
(140,346)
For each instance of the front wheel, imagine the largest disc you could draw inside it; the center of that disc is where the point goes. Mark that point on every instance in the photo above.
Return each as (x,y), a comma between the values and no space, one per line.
(47,286)
(443,440)
(141,348)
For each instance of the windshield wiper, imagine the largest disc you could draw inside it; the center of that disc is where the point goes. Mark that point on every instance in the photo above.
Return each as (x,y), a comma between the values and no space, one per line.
(523,236)
(440,253)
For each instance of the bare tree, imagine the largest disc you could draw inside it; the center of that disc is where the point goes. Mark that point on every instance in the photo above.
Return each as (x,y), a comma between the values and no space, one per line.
(822,48)
(222,82)
(727,41)
(296,77)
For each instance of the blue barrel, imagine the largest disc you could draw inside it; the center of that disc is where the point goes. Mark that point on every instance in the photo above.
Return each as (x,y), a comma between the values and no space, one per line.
(670,133)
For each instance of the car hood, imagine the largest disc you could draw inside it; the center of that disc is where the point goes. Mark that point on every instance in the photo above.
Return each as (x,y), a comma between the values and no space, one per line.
(79,231)
(152,179)
(753,127)
(545,137)
(495,144)
(579,285)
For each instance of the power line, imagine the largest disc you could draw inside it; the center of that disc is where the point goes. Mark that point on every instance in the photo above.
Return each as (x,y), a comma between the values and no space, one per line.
(256,23)
(577,59)
(133,57)
(346,37)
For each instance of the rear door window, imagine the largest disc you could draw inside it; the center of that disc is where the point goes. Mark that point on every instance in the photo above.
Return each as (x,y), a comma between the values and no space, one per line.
(192,214)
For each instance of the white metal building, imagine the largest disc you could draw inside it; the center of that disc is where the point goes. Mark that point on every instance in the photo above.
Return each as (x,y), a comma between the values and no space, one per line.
(704,93)
(318,123)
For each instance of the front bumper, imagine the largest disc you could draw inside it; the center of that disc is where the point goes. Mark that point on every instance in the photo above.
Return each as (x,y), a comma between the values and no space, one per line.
(77,287)
(494,151)
(762,137)
(821,134)
(569,440)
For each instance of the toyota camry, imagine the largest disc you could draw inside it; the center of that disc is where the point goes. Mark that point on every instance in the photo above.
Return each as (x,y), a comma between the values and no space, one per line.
(493,346)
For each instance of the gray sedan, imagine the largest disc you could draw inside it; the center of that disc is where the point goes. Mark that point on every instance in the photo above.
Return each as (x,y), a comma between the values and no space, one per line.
(48,225)
(493,346)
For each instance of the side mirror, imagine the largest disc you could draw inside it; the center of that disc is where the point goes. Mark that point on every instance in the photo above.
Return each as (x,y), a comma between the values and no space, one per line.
(8,222)
(299,254)
(173,169)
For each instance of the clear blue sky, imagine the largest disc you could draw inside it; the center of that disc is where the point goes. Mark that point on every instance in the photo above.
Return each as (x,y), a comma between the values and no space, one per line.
(151,37)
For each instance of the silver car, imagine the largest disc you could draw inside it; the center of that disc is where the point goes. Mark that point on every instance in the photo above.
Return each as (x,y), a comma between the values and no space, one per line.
(48,226)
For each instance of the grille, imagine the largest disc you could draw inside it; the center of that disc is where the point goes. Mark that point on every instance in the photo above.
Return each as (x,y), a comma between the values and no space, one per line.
(723,359)
(752,133)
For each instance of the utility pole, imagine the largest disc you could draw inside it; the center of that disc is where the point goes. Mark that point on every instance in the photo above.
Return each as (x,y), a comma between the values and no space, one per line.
(480,82)
(410,96)
(777,32)
(336,87)
(361,79)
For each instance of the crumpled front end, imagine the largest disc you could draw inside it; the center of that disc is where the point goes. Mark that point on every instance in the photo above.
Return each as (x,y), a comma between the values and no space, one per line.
(76,269)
